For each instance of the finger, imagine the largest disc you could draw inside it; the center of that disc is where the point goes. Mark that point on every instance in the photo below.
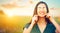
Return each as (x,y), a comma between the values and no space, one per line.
(35,15)
(48,16)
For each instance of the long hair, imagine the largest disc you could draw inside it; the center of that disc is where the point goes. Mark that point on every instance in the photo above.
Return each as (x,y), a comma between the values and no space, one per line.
(35,11)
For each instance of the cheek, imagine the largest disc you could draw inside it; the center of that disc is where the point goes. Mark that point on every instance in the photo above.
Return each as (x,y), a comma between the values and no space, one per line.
(38,10)
(45,10)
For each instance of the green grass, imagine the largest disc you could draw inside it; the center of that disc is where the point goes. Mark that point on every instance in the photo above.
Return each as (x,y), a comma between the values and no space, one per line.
(15,24)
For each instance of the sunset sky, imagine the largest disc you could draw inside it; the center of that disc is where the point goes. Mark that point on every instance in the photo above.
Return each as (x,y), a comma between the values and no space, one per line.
(26,7)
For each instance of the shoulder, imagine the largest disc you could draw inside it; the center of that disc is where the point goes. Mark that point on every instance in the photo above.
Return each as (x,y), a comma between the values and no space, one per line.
(27,25)
(51,26)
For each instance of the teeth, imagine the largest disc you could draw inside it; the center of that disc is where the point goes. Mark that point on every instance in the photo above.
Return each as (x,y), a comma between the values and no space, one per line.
(41,13)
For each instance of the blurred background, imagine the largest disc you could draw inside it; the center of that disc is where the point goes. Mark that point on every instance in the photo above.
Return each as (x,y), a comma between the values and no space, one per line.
(14,14)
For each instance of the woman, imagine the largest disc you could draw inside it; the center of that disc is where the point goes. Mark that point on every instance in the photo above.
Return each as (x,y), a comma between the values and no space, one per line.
(41,21)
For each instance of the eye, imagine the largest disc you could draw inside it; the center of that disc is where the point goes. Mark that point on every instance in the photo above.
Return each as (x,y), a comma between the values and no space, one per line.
(43,7)
(39,7)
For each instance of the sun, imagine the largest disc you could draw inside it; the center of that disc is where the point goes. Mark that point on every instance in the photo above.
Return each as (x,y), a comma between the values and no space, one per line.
(10,14)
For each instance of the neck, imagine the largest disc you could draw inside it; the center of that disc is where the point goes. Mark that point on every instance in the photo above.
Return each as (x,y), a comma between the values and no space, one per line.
(41,20)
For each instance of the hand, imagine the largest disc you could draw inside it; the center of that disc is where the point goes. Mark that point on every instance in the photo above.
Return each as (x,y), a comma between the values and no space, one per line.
(50,17)
(35,19)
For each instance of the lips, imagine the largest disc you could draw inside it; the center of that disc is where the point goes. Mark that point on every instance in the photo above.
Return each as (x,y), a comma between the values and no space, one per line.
(42,13)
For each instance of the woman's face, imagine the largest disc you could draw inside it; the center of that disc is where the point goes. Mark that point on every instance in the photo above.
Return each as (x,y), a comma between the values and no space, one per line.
(41,10)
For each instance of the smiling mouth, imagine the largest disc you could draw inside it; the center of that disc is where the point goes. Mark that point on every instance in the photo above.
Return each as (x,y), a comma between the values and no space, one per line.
(42,13)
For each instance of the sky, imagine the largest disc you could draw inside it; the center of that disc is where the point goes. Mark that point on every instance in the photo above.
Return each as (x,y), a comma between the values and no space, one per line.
(26,7)
(53,3)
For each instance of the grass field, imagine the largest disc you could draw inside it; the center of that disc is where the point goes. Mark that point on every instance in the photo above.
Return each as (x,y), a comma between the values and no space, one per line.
(15,24)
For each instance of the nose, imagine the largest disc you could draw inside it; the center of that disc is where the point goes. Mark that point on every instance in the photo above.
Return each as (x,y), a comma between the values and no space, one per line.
(42,9)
